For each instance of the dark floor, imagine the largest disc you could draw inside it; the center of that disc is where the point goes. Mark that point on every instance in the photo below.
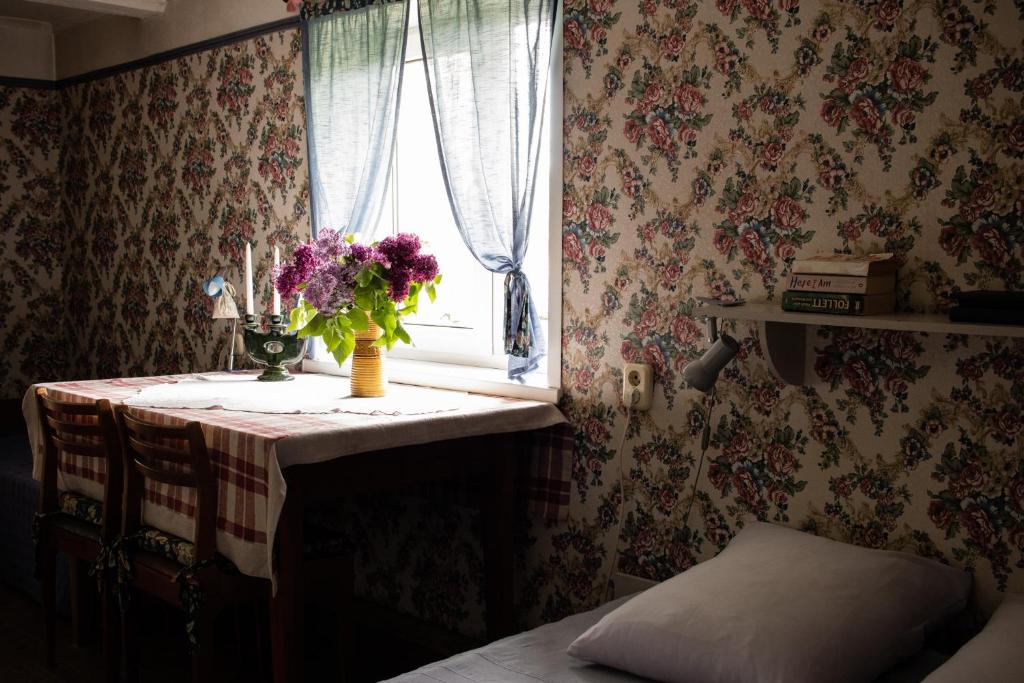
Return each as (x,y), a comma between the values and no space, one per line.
(165,659)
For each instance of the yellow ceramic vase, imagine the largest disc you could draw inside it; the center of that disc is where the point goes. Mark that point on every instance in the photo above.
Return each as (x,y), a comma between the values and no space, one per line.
(368,364)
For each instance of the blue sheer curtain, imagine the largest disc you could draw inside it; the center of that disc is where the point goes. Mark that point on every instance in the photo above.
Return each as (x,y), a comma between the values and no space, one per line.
(353,75)
(487,64)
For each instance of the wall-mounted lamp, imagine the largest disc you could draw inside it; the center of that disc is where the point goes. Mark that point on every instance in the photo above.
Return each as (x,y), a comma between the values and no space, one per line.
(702,374)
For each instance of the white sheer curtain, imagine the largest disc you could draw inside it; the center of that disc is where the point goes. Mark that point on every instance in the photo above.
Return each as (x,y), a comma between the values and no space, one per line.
(353,74)
(487,64)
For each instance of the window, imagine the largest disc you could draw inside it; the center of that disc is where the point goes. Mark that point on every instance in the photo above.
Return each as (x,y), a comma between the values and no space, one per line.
(464,325)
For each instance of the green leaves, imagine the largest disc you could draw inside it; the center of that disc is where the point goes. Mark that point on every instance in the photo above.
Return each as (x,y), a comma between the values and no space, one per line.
(431,292)
(339,337)
(301,316)
(403,335)
(371,301)
(344,349)
(360,321)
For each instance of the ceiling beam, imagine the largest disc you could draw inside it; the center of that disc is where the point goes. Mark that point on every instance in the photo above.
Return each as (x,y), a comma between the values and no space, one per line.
(127,8)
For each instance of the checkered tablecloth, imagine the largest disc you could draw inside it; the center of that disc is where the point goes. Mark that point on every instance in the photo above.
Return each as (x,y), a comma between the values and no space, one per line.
(249,450)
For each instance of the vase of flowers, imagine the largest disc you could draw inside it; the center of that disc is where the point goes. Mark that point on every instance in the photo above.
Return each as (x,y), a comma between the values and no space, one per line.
(354,297)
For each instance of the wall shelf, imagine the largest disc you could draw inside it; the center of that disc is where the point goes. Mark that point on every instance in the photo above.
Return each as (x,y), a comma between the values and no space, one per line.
(783,334)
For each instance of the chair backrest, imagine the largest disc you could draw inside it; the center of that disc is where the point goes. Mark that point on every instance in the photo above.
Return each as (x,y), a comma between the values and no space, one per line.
(81,430)
(176,456)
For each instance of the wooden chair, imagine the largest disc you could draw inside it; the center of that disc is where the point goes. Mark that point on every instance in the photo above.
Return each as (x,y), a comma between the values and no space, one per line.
(177,456)
(158,557)
(75,524)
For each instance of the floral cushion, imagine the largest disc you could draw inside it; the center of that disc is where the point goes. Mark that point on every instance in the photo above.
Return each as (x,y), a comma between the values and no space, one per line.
(80,507)
(320,543)
(167,545)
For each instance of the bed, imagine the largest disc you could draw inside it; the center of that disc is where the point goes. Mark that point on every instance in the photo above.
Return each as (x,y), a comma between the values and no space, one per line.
(540,656)
(776,604)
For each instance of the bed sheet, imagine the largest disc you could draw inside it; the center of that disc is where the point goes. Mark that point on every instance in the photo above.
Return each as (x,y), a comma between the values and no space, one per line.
(532,656)
(539,655)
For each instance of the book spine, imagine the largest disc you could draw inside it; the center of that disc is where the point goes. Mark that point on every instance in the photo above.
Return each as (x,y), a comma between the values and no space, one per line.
(840,284)
(817,302)
(812,267)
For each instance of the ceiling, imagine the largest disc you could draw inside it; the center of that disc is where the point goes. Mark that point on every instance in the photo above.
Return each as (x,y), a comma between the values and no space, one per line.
(57,17)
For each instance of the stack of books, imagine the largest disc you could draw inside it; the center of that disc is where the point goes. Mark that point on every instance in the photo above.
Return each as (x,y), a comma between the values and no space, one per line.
(842,284)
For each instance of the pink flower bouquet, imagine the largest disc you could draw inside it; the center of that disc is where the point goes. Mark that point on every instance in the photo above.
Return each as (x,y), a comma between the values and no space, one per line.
(345,285)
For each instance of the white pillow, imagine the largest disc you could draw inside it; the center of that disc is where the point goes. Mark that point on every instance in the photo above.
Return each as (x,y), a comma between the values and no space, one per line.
(996,655)
(779,605)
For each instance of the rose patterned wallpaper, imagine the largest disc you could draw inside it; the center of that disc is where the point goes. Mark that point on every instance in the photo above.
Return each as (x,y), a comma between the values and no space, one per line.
(706,146)
(33,242)
(169,170)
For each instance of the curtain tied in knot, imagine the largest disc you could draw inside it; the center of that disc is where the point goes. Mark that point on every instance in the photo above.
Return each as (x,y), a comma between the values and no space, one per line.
(518,324)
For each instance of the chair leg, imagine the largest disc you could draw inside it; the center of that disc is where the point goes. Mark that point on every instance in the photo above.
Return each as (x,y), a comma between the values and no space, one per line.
(111,638)
(203,653)
(130,642)
(82,602)
(48,581)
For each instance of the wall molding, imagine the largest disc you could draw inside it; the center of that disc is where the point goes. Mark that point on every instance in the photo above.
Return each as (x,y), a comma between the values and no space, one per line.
(35,83)
(154,59)
(184,51)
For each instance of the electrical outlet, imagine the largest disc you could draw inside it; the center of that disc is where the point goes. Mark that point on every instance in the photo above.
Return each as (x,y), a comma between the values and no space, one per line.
(637,377)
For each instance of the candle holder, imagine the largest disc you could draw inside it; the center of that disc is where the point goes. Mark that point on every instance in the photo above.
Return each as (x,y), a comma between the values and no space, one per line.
(274,348)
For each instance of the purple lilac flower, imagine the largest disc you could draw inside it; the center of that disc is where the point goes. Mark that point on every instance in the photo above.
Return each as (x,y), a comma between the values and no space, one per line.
(330,245)
(288,277)
(405,264)
(424,268)
(344,275)
(400,249)
(332,287)
(398,279)
(363,254)
(319,290)
(329,265)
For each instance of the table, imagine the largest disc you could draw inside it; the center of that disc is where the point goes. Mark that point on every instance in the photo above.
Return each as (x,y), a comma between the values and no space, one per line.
(270,466)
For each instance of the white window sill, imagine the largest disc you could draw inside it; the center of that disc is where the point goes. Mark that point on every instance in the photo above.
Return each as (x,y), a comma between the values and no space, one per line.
(478,380)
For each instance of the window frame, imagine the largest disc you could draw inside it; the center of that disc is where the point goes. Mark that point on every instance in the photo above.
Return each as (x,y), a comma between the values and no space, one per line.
(472,372)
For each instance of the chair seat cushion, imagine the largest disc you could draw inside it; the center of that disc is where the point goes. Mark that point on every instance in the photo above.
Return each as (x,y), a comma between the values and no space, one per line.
(164,544)
(80,507)
(320,543)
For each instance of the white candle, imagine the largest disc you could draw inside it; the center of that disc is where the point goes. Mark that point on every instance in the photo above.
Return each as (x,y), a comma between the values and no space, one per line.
(277,295)
(248,279)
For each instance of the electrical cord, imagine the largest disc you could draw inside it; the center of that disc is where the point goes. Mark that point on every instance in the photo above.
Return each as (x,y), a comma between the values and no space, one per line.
(634,399)
(704,441)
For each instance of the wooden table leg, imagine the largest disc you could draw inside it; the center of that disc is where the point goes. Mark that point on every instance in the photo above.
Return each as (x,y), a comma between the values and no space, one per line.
(286,606)
(499,540)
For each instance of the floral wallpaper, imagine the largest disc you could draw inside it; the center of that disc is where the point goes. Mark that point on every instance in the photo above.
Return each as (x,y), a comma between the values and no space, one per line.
(33,240)
(169,170)
(706,145)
